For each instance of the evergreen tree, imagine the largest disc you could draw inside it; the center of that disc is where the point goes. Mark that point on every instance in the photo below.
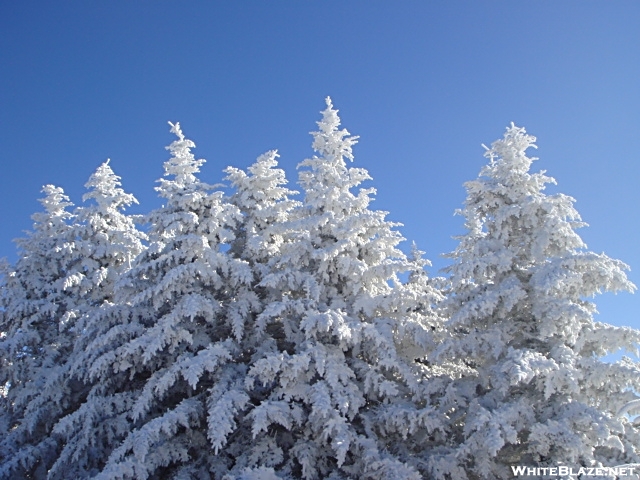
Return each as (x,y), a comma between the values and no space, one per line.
(266,209)
(159,353)
(37,302)
(338,391)
(104,241)
(532,388)
(266,228)
(108,239)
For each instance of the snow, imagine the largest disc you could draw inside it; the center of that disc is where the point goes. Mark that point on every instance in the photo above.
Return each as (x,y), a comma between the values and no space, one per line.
(272,334)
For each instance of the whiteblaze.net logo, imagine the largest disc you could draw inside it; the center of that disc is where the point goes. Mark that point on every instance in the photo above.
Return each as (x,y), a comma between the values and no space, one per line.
(564,471)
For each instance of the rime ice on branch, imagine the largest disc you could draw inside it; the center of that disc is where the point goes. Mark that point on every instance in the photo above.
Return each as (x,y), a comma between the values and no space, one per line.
(262,336)
(520,324)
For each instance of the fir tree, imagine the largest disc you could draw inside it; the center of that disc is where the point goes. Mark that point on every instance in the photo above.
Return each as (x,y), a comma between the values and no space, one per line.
(266,207)
(266,229)
(339,391)
(158,355)
(37,302)
(104,241)
(533,388)
(108,240)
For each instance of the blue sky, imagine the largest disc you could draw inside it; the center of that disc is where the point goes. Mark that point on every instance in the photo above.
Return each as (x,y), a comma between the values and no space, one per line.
(424,84)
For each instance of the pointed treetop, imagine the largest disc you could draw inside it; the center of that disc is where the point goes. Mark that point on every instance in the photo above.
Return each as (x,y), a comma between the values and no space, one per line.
(329,142)
(417,256)
(267,159)
(183,165)
(175,129)
(510,150)
(55,203)
(49,223)
(104,188)
(330,119)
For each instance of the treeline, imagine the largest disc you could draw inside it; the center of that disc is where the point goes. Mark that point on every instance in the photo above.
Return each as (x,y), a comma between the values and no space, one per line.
(253,335)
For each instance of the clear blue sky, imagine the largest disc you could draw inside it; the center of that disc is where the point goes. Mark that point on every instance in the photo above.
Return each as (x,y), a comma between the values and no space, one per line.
(423,83)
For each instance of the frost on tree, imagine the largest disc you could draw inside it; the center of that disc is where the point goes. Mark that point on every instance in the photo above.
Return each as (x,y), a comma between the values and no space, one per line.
(261,336)
(336,391)
(265,229)
(533,389)
(98,246)
(159,353)
(266,207)
(291,353)
(37,301)
(108,240)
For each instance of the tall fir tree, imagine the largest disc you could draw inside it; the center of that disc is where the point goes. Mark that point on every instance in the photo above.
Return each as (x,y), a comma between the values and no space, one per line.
(340,391)
(38,300)
(108,239)
(533,387)
(104,242)
(159,352)
(266,207)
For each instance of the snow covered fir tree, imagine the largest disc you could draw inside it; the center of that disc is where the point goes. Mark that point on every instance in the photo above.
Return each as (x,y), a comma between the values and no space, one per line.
(532,388)
(254,332)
